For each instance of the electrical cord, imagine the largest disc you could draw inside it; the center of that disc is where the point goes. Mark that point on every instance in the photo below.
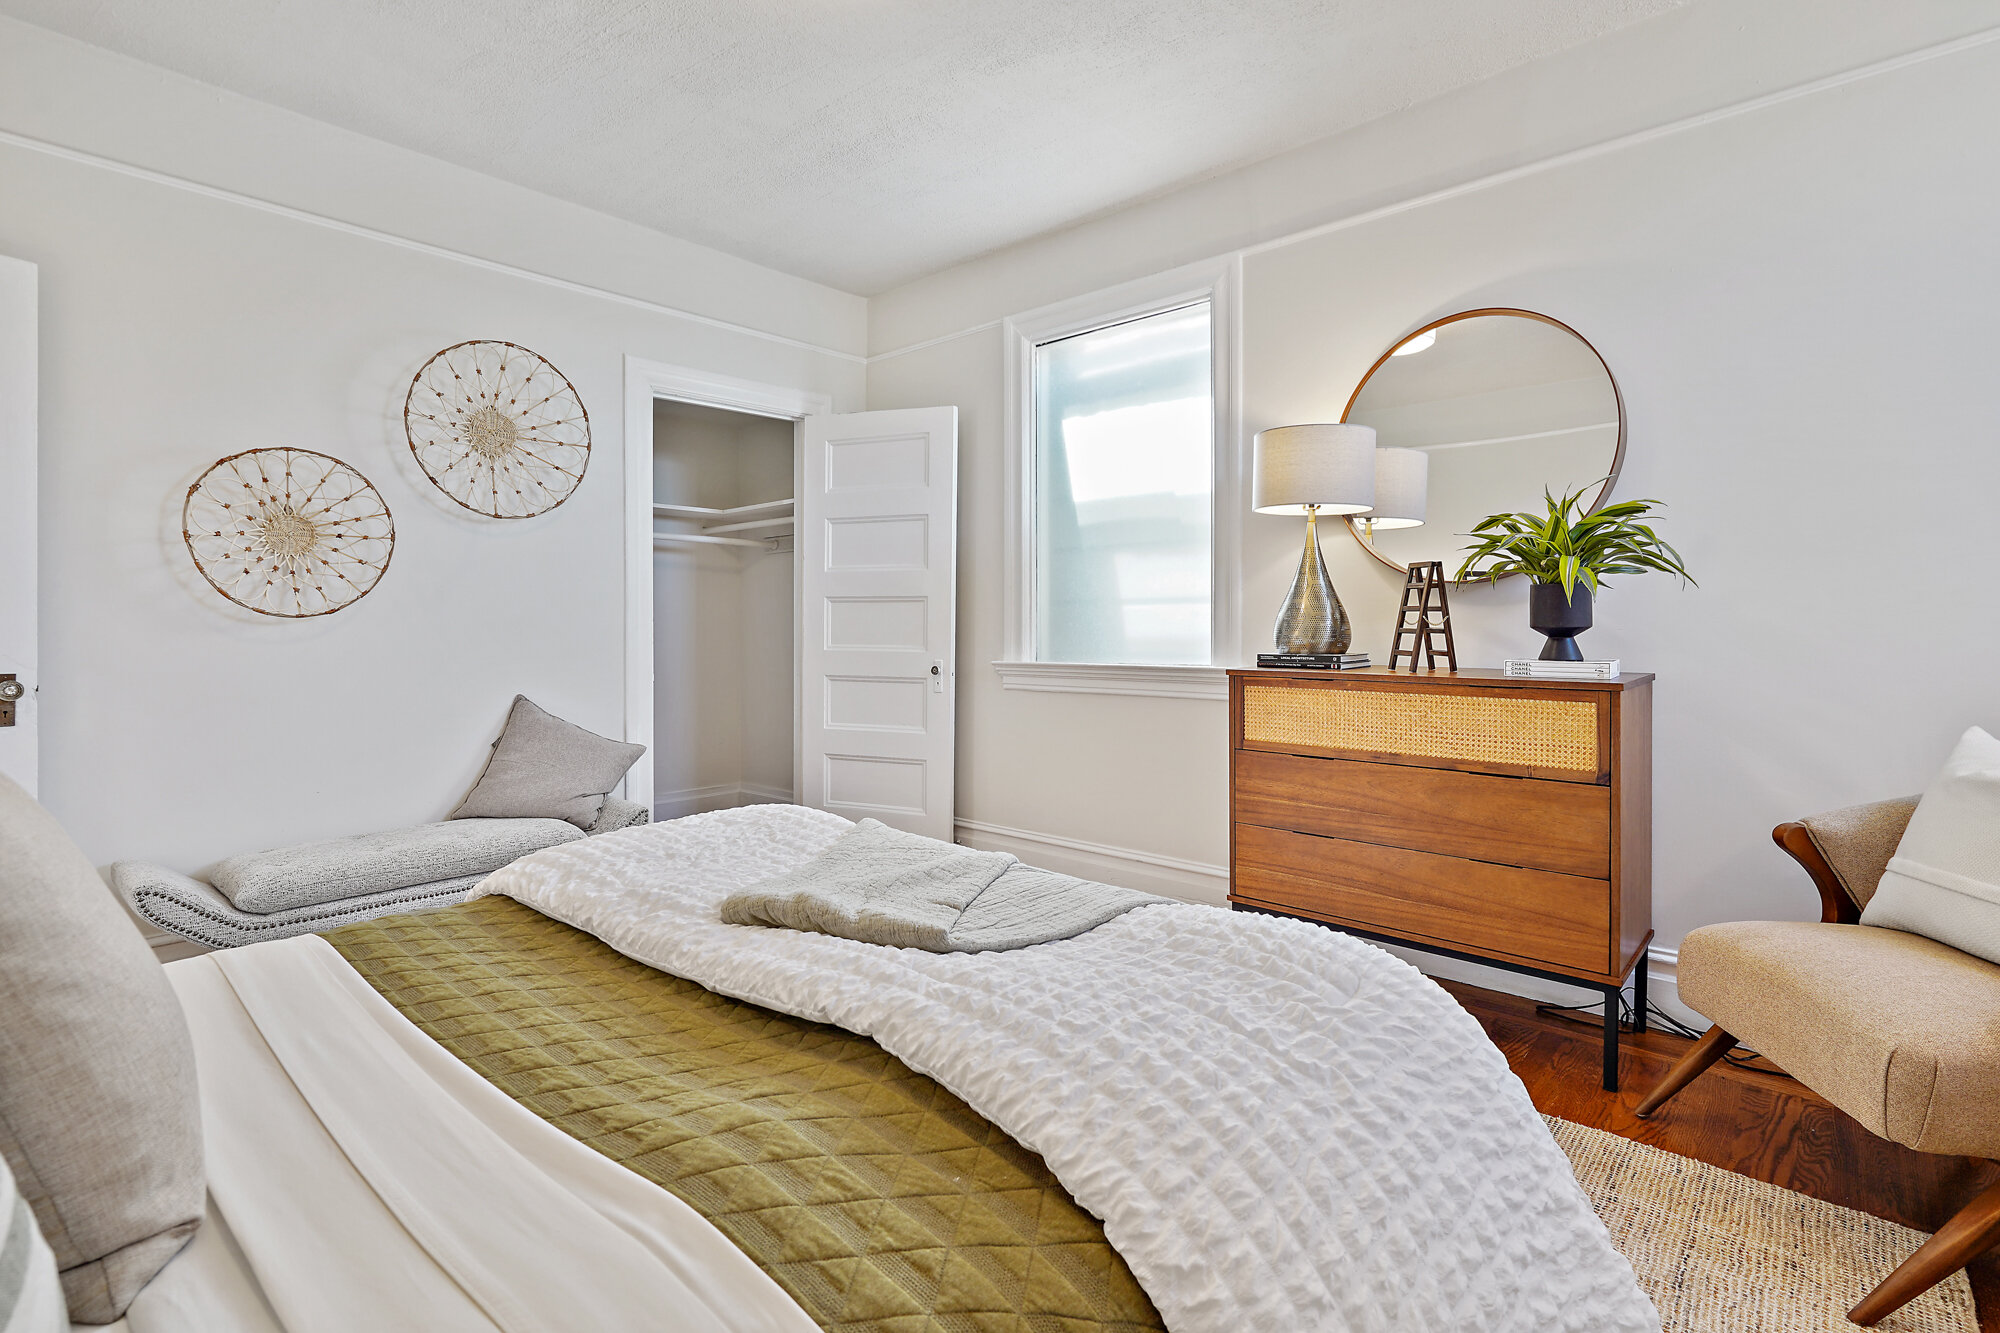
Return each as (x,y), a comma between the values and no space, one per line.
(1592,1014)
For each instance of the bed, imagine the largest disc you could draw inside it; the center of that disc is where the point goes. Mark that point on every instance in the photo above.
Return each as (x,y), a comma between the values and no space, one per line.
(582,1101)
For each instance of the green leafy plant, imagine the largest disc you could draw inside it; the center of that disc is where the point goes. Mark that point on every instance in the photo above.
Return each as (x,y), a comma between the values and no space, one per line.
(1565,545)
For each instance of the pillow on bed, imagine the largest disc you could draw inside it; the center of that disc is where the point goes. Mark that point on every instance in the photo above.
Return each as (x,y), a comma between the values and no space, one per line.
(1944,880)
(31,1299)
(98,1117)
(545,768)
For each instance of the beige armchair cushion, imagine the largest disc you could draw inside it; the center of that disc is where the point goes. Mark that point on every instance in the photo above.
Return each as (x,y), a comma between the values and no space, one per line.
(1900,1032)
(1858,840)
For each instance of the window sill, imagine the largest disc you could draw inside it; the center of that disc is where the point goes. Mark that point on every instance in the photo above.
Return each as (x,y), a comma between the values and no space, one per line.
(1160,682)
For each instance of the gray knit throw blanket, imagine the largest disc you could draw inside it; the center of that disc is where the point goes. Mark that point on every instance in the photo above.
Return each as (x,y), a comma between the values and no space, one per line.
(883,886)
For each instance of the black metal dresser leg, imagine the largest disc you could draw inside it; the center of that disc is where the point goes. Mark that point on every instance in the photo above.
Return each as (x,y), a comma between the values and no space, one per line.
(1611,998)
(1639,994)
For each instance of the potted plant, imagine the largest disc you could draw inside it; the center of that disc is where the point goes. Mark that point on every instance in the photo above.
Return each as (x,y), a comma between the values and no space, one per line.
(1565,552)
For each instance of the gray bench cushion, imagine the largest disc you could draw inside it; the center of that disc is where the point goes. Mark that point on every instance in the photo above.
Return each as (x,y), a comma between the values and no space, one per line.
(195,911)
(375,863)
(618,814)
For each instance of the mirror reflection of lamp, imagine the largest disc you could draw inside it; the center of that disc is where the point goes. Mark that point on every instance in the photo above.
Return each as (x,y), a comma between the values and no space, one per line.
(1416,343)
(1402,482)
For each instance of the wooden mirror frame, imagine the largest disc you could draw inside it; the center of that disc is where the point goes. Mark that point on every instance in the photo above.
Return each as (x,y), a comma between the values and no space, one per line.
(1618,397)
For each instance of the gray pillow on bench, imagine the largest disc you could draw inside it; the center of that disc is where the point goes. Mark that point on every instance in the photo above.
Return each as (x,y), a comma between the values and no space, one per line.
(324,872)
(545,768)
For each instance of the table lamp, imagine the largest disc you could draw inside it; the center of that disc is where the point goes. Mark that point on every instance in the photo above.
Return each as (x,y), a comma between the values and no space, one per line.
(1307,470)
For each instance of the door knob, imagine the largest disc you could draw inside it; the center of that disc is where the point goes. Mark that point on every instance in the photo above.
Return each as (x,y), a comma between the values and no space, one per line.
(11,692)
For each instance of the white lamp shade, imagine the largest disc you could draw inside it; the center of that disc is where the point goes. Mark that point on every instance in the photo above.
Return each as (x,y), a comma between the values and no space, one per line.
(1331,466)
(1402,480)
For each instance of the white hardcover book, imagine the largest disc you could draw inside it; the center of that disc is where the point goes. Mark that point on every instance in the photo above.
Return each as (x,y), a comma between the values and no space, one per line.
(1602,669)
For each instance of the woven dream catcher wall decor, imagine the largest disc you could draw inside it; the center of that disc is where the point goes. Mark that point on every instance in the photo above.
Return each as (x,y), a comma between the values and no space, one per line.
(498,429)
(287,532)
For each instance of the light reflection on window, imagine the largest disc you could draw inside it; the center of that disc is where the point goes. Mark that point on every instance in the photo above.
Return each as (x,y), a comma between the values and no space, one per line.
(1123,477)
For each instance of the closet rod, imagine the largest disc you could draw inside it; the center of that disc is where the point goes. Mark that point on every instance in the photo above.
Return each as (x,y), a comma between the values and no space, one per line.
(671,538)
(782,522)
(767,507)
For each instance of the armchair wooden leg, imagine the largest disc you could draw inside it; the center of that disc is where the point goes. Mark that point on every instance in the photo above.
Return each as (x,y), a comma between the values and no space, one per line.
(1972,1231)
(1714,1044)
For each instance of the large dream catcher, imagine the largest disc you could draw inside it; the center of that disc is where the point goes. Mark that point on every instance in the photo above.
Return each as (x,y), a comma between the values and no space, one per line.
(498,429)
(287,532)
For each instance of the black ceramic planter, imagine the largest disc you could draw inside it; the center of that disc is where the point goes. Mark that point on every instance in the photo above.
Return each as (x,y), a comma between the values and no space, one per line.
(1562,620)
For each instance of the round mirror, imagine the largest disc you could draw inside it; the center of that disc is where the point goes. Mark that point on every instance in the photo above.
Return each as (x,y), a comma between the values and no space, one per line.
(1481,412)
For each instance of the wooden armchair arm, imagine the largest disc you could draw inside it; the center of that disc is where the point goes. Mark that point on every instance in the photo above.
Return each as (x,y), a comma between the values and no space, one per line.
(1834,904)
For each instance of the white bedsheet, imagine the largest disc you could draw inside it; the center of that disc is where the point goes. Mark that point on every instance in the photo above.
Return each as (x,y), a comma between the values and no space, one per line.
(362,1178)
(1282,1128)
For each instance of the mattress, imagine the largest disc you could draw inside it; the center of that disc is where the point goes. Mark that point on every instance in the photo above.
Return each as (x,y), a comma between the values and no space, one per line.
(876,1199)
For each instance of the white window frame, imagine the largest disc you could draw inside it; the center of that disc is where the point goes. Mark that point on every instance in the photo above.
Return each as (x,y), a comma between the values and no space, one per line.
(1217,281)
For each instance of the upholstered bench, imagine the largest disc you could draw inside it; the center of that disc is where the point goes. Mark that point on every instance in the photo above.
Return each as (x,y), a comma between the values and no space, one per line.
(317,886)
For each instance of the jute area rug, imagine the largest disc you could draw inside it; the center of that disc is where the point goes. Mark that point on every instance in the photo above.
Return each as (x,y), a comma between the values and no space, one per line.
(1721,1253)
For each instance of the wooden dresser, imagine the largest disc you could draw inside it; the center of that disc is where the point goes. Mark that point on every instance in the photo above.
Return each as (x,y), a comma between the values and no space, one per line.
(1487,817)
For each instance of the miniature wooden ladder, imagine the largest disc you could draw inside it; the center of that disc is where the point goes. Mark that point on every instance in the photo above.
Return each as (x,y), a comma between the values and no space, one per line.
(1424,599)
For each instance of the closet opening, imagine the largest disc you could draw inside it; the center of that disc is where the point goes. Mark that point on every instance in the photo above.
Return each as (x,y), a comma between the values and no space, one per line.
(725,609)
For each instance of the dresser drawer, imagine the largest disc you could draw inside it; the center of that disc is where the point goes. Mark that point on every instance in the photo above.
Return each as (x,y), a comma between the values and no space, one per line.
(1559,826)
(1556,734)
(1534,916)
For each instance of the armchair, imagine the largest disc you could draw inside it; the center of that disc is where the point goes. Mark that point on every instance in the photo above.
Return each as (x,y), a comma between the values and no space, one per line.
(1898,1031)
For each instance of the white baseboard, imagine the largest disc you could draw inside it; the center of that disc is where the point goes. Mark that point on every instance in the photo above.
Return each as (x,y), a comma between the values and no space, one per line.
(1201,882)
(1170,877)
(724,796)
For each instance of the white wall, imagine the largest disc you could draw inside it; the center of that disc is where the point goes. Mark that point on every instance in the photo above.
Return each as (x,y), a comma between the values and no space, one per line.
(181,322)
(1796,300)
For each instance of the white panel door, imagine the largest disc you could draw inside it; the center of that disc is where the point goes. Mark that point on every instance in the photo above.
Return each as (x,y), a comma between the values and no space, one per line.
(878,557)
(18,493)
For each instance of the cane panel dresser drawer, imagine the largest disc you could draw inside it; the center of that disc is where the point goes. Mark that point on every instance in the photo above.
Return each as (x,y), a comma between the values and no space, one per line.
(1491,817)
(1545,733)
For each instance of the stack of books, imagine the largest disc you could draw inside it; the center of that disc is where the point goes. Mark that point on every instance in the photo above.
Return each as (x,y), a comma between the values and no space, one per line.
(1602,669)
(1314,661)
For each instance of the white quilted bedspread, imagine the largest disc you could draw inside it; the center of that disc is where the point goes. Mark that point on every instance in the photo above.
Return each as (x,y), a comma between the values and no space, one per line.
(1282,1128)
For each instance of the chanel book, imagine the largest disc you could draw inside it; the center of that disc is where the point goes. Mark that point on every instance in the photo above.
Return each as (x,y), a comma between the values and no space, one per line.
(1601,669)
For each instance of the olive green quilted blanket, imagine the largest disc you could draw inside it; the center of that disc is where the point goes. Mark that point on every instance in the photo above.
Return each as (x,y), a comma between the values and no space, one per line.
(878,1200)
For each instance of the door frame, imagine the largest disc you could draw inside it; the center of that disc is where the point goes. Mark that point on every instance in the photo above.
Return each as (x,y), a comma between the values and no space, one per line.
(645,382)
(19,560)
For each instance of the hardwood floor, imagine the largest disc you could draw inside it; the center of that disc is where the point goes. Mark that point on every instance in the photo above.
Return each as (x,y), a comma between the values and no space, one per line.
(1761,1124)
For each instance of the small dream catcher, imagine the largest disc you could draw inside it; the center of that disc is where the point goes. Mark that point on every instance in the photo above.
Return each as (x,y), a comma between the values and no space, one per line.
(498,429)
(287,532)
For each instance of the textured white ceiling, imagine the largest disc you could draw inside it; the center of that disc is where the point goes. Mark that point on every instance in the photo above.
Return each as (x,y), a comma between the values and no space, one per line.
(857,142)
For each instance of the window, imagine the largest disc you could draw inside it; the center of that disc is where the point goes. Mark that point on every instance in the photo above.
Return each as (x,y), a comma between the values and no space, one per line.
(1123,490)
(1121,531)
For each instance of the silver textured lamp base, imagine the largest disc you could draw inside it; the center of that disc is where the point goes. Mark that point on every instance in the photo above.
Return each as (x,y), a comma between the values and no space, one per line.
(1313,620)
